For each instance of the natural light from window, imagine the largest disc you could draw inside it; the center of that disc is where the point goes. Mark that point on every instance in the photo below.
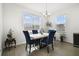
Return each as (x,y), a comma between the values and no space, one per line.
(31,22)
(60,19)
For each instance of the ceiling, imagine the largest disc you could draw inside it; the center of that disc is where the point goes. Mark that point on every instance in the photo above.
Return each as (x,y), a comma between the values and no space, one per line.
(51,7)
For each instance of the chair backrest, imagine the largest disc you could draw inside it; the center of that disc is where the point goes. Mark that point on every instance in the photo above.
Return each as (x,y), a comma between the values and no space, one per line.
(34,31)
(51,36)
(27,36)
(51,30)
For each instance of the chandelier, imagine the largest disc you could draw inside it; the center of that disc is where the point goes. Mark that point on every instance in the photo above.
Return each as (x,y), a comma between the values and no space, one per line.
(46,14)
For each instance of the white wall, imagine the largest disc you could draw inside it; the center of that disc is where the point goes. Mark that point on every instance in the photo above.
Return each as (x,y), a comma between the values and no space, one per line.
(0,28)
(72,24)
(13,19)
(13,14)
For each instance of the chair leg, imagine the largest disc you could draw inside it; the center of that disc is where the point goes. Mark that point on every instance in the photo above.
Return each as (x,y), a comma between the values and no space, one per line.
(39,45)
(52,47)
(26,46)
(29,48)
(48,49)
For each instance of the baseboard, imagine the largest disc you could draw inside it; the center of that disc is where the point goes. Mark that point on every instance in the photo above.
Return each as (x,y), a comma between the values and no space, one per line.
(20,43)
(66,42)
(16,45)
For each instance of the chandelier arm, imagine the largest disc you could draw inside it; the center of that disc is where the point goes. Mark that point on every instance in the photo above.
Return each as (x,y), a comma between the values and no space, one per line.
(46,14)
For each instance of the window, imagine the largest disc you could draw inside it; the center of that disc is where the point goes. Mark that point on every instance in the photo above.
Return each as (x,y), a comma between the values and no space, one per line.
(60,24)
(36,22)
(60,19)
(31,22)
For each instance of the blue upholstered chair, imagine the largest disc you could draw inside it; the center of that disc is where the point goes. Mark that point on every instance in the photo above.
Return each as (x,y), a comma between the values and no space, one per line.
(28,40)
(51,30)
(54,36)
(37,41)
(35,31)
(49,40)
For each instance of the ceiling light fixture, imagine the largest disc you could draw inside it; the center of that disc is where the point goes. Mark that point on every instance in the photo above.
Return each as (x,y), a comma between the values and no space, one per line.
(46,14)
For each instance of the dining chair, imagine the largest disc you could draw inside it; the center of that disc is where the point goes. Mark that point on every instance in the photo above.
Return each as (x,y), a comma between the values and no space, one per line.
(54,35)
(49,40)
(35,31)
(37,41)
(29,41)
(50,31)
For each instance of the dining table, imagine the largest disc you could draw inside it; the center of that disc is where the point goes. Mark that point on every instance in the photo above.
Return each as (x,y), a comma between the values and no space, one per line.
(38,36)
